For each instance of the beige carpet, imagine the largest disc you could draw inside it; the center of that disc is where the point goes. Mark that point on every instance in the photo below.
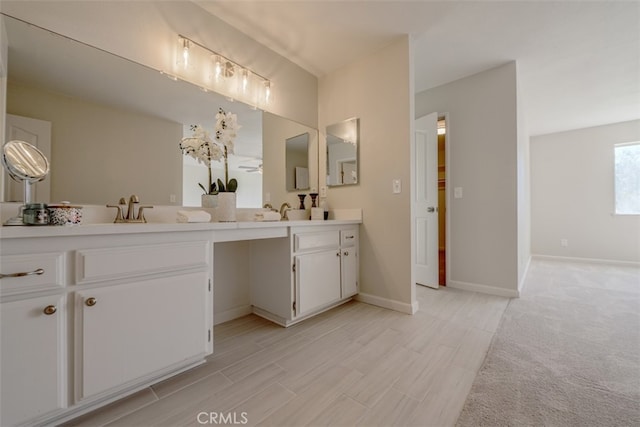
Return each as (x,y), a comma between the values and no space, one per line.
(567,353)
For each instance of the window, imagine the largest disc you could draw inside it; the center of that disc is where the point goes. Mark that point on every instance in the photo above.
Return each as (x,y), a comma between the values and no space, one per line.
(627,178)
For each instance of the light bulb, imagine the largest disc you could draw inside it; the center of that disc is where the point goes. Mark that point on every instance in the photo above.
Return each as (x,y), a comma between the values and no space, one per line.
(185,53)
(267,93)
(245,80)
(218,68)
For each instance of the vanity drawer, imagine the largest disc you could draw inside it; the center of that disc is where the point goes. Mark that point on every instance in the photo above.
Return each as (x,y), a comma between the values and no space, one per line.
(348,237)
(32,272)
(93,265)
(321,239)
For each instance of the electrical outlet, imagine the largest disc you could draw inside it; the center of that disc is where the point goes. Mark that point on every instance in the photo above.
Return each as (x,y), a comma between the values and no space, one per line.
(172,198)
(323,191)
(564,243)
(457,193)
(267,197)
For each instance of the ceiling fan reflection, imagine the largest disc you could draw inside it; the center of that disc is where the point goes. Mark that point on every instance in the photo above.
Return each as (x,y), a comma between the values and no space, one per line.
(252,168)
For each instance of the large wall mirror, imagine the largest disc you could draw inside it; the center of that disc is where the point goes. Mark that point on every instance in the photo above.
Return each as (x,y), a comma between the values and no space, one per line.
(343,139)
(115,126)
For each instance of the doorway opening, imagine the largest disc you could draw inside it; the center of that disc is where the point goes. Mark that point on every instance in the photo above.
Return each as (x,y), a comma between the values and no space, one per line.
(442,201)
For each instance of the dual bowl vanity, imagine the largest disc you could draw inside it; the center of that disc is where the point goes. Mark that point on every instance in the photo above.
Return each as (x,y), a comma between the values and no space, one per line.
(95,312)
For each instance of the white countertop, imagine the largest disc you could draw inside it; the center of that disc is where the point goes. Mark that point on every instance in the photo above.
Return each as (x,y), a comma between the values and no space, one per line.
(13,232)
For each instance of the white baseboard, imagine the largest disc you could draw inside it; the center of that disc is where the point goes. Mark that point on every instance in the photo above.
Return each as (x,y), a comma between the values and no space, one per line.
(402,307)
(524,275)
(234,313)
(484,289)
(587,260)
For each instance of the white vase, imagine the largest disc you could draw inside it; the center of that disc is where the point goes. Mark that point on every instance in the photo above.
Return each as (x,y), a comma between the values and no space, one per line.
(226,211)
(209,200)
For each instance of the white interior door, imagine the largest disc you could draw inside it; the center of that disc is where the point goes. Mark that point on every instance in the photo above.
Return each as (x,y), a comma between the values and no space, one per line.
(425,201)
(348,172)
(35,132)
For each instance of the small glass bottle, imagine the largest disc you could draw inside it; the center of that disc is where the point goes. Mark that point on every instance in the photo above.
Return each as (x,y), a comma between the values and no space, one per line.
(325,207)
(35,214)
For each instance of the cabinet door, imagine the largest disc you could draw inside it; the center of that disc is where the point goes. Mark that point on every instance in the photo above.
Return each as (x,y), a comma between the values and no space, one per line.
(317,280)
(130,331)
(33,374)
(349,271)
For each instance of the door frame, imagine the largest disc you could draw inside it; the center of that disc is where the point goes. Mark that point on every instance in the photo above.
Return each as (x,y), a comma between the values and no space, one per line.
(447,175)
(447,196)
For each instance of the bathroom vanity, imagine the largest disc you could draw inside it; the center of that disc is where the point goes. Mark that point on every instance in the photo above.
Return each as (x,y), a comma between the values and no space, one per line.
(92,313)
(311,270)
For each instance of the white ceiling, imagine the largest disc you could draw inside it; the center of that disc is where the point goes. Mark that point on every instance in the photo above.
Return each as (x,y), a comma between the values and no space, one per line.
(578,61)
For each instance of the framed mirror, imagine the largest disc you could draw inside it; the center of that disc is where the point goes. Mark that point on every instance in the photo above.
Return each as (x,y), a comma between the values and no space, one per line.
(297,162)
(130,144)
(343,139)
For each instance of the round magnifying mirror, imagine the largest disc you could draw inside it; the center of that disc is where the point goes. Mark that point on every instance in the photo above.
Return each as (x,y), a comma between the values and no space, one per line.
(24,161)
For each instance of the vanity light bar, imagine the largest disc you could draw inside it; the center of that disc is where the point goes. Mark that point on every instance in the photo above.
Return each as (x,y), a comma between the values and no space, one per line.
(217,72)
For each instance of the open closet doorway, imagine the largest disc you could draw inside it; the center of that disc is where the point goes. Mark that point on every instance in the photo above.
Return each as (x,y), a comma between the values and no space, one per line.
(442,201)
(429,201)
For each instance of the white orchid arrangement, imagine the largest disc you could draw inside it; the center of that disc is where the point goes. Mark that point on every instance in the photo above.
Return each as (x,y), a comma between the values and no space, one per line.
(204,149)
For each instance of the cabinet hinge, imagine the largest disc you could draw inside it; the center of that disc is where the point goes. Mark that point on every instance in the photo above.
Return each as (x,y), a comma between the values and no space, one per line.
(294,307)
(209,335)
(294,267)
(209,285)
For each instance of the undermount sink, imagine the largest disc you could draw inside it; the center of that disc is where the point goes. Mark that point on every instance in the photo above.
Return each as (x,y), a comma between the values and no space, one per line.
(298,214)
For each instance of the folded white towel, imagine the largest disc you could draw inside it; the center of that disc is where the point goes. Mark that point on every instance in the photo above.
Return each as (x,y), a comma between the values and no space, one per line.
(193,216)
(267,216)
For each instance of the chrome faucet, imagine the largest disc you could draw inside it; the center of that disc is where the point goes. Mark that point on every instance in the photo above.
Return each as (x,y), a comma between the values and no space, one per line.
(130,216)
(283,210)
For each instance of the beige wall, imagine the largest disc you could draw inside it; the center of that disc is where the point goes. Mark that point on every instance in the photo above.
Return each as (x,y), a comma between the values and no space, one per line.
(377,90)
(483,139)
(88,139)
(572,195)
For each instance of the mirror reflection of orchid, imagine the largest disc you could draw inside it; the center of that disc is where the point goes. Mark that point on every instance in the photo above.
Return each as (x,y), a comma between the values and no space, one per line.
(204,149)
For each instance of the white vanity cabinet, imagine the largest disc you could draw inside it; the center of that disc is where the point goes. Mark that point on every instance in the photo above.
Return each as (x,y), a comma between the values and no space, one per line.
(316,267)
(107,316)
(32,337)
(313,269)
(349,270)
(132,322)
(33,358)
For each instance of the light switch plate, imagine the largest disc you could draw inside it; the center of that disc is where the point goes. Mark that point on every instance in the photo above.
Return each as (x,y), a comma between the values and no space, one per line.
(457,193)
(397,186)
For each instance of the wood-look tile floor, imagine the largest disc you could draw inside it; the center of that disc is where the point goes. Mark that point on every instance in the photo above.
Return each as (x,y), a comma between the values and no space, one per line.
(354,365)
